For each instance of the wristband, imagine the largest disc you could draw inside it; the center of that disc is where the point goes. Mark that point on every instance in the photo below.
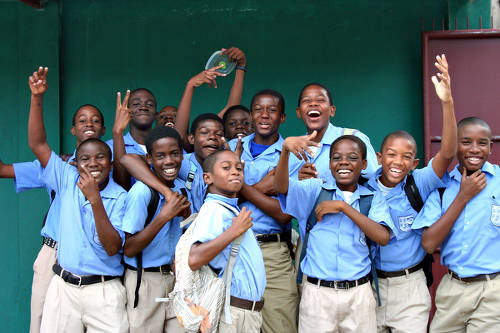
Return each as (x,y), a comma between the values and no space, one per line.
(242,68)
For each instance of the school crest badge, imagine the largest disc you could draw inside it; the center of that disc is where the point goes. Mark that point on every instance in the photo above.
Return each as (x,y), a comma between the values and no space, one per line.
(495,215)
(405,222)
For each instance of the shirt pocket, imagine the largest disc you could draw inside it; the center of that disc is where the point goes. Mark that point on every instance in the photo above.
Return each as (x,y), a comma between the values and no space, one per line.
(403,220)
(495,212)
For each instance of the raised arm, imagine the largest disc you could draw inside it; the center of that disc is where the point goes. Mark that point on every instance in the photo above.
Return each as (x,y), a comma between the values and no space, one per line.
(202,253)
(448,148)
(298,145)
(433,236)
(235,55)
(37,137)
(137,242)
(6,170)
(122,118)
(268,205)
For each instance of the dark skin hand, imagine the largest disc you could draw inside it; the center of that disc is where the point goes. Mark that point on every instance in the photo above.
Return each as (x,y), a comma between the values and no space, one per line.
(433,236)
(122,119)
(175,206)
(308,170)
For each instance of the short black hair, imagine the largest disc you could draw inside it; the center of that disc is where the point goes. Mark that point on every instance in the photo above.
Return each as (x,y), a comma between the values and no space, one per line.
(73,121)
(272,92)
(474,121)
(202,117)
(353,138)
(160,132)
(234,108)
(209,162)
(146,90)
(399,134)
(319,85)
(97,141)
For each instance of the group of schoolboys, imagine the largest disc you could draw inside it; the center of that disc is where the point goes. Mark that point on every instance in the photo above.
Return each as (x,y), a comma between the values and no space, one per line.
(355,211)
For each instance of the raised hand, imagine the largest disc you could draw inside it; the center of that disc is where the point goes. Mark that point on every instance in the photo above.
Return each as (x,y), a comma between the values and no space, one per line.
(175,206)
(308,170)
(442,86)
(123,114)
(243,221)
(235,55)
(473,184)
(299,145)
(38,81)
(329,207)
(88,185)
(208,76)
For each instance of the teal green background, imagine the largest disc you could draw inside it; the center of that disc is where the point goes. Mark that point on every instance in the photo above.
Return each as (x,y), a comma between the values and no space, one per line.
(367,52)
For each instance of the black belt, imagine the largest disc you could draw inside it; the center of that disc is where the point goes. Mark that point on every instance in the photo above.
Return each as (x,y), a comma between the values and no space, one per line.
(78,280)
(477,278)
(164,269)
(246,304)
(282,237)
(384,275)
(49,242)
(339,284)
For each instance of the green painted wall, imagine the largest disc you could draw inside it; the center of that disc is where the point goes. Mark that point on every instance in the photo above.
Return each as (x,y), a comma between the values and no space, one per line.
(459,10)
(367,52)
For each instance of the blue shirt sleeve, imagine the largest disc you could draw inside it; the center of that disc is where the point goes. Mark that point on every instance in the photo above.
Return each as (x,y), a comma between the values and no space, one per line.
(427,180)
(116,215)
(58,173)
(430,213)
(136,208)
(371,157)
(301,197)
(379,212)
(28,176)
(209,223)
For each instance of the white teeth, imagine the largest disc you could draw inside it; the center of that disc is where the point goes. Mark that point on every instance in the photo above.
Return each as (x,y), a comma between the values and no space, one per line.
(95,173)
(314,113)
(473,159)
(395,170)
(240,135)
(344,172)
(169,172)
(170,124)
(89,132)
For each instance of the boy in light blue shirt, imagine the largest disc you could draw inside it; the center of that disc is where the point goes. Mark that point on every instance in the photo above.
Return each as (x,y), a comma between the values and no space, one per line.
(223,173)
(464,221)
(92,206)
(337,295)
(149,249)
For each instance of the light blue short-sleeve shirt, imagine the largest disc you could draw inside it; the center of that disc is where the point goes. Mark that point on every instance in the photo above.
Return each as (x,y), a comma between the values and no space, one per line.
(255,169)
(161,250)
(322,155)
(337,248)
(249,275)
(404,250)
(79,248)
(190,165)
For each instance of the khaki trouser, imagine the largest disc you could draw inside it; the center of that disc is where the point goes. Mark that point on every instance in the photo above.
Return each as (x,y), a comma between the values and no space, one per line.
(405,304)
(329,310)
(467,307)
(281,299)
(98,307)
(242,321)
(42,274)
(150,316)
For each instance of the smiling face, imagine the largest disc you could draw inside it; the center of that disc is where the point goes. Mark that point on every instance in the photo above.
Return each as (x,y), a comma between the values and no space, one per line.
(397,159)
(474,147)
(167,116)
(346,164)
(208,138)
(237,124)
(315,109)
(226,176)
(87,124)
(166,158)
(96,159)
(143,107)
(267,117)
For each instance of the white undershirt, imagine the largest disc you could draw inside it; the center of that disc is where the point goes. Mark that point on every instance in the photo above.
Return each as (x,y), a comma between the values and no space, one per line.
(384,189)
(143,148)
(347,196)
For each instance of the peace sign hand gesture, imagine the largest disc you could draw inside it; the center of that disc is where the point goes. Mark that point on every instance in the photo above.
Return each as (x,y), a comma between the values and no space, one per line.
(38,81)
(123,113)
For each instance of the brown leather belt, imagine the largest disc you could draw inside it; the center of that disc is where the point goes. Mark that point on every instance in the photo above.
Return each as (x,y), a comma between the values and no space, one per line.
(246,304)
(339,284)
(477,278)
(164,269)
(384,275)
(282,237)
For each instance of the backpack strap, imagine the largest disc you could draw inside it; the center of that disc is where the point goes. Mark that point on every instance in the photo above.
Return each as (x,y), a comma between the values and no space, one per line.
(52,197)
(349,131)
(325,194)
(412,193)
(191,174)
(152,206)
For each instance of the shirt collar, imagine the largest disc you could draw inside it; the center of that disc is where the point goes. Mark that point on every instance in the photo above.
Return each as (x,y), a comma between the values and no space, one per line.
(230,201)
(129,140)
(331,133)
(487,167)
(360,190)
(112,189)
(276,146)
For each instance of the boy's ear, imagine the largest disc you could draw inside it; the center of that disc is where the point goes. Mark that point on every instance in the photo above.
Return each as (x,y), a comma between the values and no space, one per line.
(415,163)
(103,131)
(297,110)
(365,163)
(332,111)
(207,178)
(191,139)
(149,159)
(73,130)
(379,158)
(282,118)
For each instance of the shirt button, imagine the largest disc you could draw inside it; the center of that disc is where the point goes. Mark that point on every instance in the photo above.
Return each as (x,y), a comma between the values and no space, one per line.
(467,222)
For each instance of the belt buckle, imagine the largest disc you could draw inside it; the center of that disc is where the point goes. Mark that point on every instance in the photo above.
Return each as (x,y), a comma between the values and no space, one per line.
(253,306)
(163,270)
(79,280)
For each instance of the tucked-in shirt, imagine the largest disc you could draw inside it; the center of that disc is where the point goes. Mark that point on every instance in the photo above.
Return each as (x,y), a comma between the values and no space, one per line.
(255,169)
(322,156)
(79,248)
(336,249)
(473,243)
(161,250)
(249,275)
(28,175)
(404,250)
(198,187)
